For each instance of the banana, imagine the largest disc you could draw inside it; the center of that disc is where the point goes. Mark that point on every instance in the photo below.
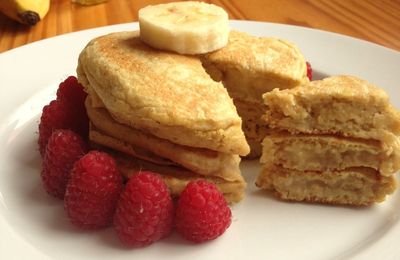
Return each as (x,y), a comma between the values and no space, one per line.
(27,12)
(184,27)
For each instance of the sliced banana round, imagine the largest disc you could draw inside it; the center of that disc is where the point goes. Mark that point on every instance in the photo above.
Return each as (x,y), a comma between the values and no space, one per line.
(184,27)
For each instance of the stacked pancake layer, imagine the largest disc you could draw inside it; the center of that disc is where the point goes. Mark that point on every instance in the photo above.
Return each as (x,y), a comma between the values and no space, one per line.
(161,111)
(334,141)
(250,66)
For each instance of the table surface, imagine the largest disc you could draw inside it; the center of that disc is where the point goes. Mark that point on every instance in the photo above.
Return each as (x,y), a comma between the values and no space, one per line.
(377,21)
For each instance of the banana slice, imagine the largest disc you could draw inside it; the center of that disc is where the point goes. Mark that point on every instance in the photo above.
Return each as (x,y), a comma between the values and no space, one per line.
(184,27)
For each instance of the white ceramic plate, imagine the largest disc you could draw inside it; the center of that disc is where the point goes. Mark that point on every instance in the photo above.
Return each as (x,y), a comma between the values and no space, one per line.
(33,225)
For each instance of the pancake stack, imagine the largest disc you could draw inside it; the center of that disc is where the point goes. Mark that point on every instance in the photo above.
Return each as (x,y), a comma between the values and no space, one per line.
(333,141)
(161,111)
(250,66)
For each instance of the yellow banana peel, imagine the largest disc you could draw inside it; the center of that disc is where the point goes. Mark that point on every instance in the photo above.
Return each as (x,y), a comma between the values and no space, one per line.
(27,12)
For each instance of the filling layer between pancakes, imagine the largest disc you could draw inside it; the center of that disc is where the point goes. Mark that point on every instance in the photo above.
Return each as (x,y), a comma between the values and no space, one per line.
(327,152)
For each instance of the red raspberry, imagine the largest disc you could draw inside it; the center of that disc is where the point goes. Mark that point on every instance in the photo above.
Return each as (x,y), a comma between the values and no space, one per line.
(145,211)
(202,212)
(74,95)
(92,191)
(67,112)
(63,149)
(71,91)
(309,71)
(55,115)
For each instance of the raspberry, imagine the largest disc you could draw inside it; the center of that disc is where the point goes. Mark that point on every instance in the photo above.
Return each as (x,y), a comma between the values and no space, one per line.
(73,94)
(145,211)
(92,191)
(202,212)
(66,112)
(71,91)
(64,148)
(309,71)
(55,115)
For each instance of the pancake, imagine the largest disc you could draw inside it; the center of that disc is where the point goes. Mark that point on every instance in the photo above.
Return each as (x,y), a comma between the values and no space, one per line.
(177,177)
(323,153)
(140,153)
(249,66)
(161,93)
(98,137)
(340,105)
(106,131)
(331,141)
(353,186)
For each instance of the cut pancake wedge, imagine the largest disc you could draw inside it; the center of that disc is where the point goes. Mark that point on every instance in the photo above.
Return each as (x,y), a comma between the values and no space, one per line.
(250,66)
(165,94)
(107,131)
(334,140)
(341,105)
(177,177)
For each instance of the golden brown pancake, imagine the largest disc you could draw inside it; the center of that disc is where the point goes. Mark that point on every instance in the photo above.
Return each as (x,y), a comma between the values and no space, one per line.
(162,112)
(342,105)
(101,138)
(331,141)
(177,177)
(162,93)
(106,131)
(248,67)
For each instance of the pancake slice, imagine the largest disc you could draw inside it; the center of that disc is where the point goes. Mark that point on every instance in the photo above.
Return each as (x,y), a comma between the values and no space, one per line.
(139,153)
(334,140)
(107,131)
(340,105)
(354,186)
(177,177)
(248,67)
(323,153)
(96,136)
